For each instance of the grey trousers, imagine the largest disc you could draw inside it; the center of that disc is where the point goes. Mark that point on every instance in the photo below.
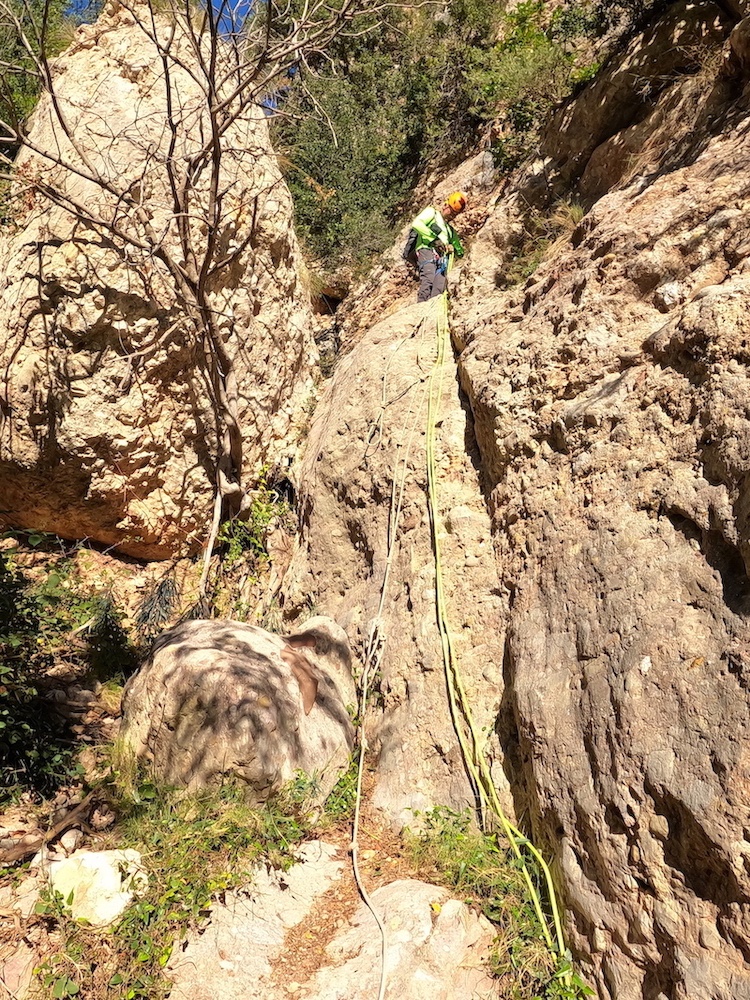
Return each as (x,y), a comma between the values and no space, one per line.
(431,282)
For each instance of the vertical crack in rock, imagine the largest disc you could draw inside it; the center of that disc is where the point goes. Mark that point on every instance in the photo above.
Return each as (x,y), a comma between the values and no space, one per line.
(369,430)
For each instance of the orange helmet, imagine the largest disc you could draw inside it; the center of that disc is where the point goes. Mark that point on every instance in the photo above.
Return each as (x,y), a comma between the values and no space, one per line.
(457,201)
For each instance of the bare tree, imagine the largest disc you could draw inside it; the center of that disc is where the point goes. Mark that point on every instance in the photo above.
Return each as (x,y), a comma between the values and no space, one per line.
(215,76)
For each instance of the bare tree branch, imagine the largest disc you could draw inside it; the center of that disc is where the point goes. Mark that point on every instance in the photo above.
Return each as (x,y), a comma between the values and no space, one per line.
(233,69)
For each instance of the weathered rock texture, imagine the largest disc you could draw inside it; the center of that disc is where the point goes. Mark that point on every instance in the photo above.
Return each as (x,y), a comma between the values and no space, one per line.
(234,955)
(365,458)
(437,949)
(109,421)
(221,698)
(610,399)
(98,886)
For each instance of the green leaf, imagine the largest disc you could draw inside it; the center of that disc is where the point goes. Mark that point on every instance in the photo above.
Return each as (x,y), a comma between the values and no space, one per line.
(116,979)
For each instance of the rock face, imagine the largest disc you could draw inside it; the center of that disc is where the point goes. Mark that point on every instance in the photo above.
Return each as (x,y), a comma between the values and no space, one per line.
(221,698)
(109,415)
(610,400)
(364,460)
(437,947)
(233,957)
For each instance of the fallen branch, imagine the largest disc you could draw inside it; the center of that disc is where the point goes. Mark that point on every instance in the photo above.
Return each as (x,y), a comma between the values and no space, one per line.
(19,852)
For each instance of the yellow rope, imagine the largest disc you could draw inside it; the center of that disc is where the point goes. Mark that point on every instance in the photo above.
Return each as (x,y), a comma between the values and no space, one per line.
(471,746)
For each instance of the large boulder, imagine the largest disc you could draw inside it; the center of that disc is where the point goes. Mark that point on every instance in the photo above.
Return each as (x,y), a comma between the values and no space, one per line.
(109,417)
(222,698)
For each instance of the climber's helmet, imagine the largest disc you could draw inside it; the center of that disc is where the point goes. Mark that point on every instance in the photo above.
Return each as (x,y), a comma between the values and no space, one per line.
(456,202)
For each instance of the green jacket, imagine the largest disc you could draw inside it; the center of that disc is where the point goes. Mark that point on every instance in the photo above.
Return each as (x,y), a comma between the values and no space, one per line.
(430,226)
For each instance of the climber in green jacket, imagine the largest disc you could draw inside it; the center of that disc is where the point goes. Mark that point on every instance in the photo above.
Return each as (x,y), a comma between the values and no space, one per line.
(436,241)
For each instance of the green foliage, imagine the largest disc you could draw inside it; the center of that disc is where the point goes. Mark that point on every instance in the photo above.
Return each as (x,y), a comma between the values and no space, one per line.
(630,14)
(340,803)
(486,873)
(59,984)
(43,24)
(195,848)
(46,622)
(249,536)
(47,26)
(419,89)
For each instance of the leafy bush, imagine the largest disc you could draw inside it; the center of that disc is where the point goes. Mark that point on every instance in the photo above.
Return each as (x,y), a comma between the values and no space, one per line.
(342,800)
(21,86)
(249,535)
(419,90)
(48,27)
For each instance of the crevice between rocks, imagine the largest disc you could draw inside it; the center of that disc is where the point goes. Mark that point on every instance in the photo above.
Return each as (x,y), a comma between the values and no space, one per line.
(723,558)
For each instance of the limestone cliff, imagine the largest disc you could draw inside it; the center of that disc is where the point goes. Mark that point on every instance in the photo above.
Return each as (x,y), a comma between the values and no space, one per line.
(594,473)
(593,467)
(109,421)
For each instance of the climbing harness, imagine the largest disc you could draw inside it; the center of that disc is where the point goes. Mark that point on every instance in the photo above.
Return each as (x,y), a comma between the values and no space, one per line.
(477,768)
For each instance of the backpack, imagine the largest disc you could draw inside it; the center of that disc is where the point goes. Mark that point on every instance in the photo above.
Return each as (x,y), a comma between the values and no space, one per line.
(409,253)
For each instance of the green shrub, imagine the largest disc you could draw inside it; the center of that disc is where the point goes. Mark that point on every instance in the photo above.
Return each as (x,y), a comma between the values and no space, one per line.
(542,231)
(249,535)
(44,24)
(420,90)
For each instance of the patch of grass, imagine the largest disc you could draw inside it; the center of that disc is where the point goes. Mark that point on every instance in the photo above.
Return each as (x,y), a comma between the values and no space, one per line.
(486,874)
(195,848)
(542,232)
(237,590)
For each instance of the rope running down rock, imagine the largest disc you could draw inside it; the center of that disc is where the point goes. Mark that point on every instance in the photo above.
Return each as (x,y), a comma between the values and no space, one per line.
(371,661)
(463,721)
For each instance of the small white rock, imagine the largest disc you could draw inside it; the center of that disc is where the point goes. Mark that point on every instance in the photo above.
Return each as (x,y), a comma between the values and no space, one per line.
(71,840)
(99,885)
